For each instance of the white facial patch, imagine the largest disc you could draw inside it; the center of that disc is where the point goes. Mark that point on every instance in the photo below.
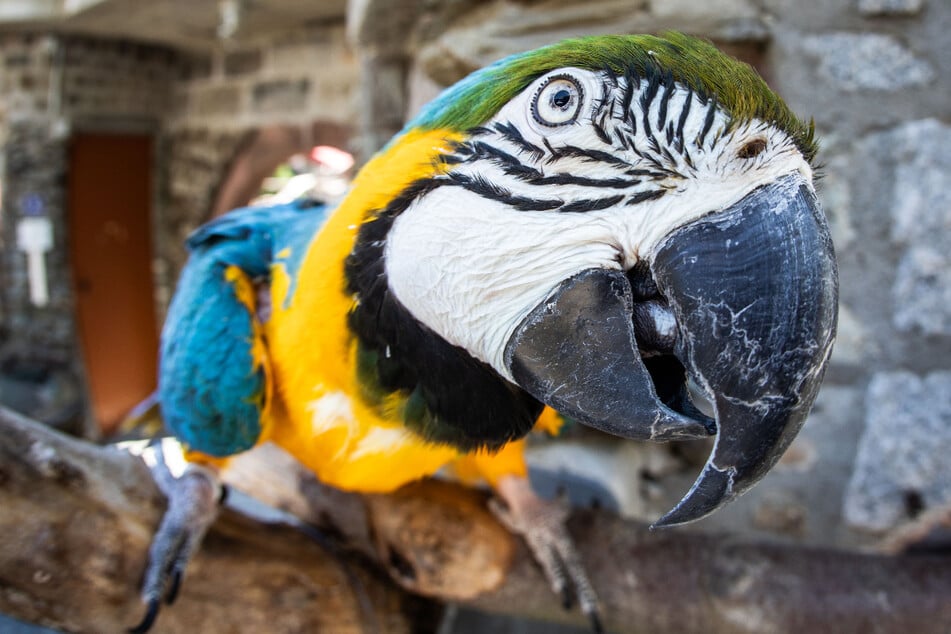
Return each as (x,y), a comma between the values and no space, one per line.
(541,194)
(471,268)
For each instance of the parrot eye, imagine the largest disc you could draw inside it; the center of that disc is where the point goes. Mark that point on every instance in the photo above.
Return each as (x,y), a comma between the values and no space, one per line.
(751,149)
(557,101)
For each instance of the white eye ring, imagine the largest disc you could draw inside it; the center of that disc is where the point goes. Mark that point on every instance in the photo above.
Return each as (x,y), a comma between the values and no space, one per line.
(558,101)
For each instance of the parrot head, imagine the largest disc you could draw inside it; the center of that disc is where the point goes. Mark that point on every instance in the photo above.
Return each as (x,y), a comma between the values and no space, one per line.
(623,228)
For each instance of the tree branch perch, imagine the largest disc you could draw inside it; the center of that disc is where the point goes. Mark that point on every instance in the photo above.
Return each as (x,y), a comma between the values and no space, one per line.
(76,521)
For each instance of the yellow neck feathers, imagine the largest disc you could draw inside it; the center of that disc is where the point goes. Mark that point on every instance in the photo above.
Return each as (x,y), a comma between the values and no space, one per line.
(316,414)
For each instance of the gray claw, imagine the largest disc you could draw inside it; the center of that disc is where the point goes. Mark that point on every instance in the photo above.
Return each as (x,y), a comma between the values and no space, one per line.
(541,523)
(193,502)
(148,620)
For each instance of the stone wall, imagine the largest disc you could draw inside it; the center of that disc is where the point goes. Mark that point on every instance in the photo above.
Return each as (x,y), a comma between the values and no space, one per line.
(35,173)
(202,109)
(115,82)
(298,76)
(52,86)
(302,76)
(876,76)
(195,160)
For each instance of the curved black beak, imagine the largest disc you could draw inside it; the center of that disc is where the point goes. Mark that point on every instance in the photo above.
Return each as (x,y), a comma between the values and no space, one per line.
(753,290)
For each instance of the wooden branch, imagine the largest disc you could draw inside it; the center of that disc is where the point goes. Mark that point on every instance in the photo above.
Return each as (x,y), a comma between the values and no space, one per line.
(76,521)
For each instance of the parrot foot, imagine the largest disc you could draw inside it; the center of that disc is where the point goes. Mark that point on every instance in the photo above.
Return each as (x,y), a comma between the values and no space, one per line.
(193,503)
(542,524)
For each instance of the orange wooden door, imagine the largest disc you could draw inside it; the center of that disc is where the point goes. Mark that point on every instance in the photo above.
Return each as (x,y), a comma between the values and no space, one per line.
(109,210)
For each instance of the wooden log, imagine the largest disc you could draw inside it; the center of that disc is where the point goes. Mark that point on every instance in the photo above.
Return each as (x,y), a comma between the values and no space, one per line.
(670,581)
(78,518)
(76,521)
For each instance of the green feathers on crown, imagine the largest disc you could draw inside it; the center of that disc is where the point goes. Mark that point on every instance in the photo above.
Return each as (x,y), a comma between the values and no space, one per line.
(690,61)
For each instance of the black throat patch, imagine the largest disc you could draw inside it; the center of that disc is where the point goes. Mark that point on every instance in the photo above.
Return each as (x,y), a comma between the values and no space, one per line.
(448,396)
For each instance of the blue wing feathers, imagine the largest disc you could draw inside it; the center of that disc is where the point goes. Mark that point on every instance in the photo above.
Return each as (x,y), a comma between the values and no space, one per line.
(207,378)
(210,390)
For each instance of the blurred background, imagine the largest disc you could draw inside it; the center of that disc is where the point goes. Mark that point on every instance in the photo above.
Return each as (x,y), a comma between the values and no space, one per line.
(124,124)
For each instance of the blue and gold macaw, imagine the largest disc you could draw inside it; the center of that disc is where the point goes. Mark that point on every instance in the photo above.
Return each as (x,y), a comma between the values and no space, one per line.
(623,229)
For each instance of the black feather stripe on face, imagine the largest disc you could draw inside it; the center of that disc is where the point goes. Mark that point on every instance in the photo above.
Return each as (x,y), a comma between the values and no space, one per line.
(522,162)
(449,396)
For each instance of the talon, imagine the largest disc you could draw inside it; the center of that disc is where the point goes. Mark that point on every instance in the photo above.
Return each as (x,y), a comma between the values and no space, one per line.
(193,501)
(566,599)
(148,620)
(223,496)
(542,525)
(595,621)
(174,584)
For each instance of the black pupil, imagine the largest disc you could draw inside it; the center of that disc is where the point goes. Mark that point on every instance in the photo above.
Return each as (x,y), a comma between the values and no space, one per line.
(561,98)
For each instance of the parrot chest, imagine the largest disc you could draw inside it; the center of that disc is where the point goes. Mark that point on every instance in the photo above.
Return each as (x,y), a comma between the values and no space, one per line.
(352,449)
(316,412)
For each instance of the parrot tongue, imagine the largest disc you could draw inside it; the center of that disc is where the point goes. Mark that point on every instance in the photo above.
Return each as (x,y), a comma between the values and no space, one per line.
(754,292)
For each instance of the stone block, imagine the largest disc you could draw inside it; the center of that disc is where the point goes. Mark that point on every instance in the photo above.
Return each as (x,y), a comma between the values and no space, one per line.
(921,203)
(242,62)
(867,61)
(922,292)
(383,26)
(687,11)
(280,95)
(890,7)
(836,197)
(194,67)
(781,512)
(321,49)
(921,221)
(902,466)
(216,100)
(853,342)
